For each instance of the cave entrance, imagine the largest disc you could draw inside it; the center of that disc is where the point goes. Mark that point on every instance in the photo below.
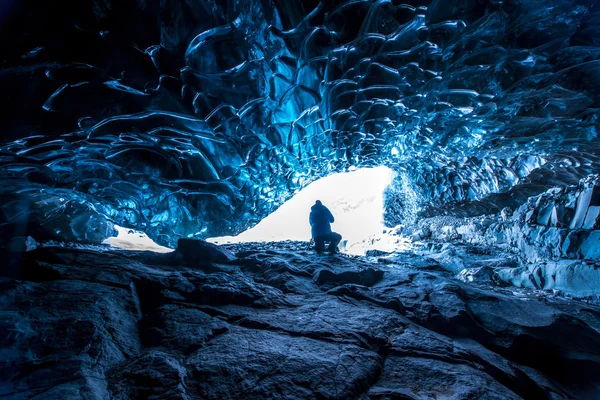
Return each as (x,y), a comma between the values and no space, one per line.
(355,198)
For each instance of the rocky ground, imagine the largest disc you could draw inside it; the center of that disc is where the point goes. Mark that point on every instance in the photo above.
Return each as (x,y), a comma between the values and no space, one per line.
(278,321)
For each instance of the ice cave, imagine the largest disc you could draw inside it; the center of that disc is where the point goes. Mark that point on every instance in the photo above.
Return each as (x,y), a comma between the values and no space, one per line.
(159,161)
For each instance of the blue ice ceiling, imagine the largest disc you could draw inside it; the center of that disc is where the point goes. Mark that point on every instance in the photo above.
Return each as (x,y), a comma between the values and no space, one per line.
(199,118)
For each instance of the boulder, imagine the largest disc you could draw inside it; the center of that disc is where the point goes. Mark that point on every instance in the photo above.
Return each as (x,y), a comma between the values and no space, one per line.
(366,277)
(194,251)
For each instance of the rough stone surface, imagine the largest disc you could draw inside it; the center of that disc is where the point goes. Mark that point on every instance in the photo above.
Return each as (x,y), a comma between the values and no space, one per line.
(281,322)
(194,251)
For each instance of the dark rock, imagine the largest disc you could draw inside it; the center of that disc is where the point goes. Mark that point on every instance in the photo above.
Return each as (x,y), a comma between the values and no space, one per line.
(152,375)
(179,329)
(408,377)
(198,252)
(20,244)
(81,323)
(366,277)
(71,329)
(247,363)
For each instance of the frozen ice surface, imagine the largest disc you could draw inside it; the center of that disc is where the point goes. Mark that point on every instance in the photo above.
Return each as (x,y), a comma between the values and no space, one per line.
(199,120)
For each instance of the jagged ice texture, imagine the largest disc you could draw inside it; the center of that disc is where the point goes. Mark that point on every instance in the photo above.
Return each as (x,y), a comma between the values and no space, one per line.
(198,118)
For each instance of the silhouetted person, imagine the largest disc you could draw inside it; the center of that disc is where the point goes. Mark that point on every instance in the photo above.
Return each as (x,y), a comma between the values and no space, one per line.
(320,218)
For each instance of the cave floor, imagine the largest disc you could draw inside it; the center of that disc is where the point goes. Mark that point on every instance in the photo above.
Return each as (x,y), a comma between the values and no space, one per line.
(282,322)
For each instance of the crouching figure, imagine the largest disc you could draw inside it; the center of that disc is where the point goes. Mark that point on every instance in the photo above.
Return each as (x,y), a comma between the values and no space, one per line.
(320,220)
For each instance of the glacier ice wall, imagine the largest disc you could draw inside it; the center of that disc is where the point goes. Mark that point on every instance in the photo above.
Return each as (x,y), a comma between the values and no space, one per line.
(198,118)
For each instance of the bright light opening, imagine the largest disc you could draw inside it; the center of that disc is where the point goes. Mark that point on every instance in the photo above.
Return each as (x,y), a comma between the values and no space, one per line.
(356,202)
(129,239)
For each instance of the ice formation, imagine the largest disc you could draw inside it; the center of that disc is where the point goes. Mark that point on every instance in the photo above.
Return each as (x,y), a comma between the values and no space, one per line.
(199,119)
(196,119)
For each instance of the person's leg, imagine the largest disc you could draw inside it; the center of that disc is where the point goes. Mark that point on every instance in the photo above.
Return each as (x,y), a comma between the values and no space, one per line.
(319,244)
(334,240)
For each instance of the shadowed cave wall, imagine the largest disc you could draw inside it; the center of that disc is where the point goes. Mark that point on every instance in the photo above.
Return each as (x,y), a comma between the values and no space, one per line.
(198,118)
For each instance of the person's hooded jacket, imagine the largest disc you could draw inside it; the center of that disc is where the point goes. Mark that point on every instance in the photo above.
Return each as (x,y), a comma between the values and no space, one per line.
(320,218)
